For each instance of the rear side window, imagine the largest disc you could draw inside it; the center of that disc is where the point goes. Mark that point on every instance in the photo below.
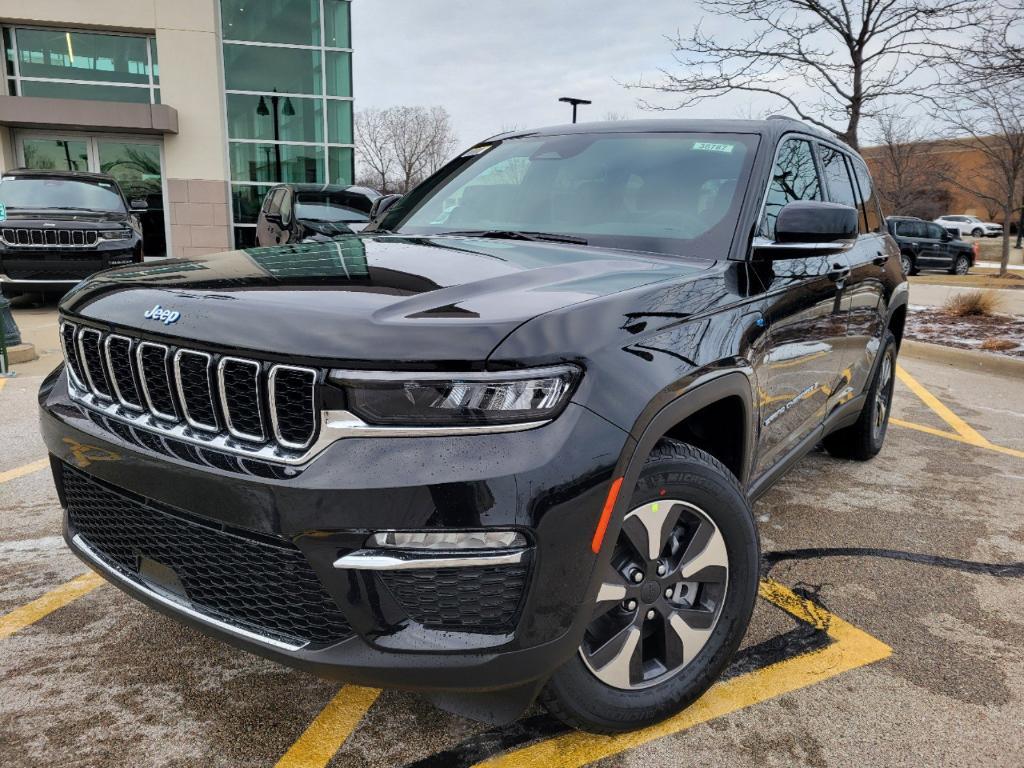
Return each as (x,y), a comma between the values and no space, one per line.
(935,231)
(837,176)
(872,214)
(905,229)
(794,177)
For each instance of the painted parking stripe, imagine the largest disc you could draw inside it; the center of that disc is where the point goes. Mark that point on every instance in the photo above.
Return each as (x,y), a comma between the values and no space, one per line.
(42,607)
(25,469)
(850,648)
(959,426)
(331,728)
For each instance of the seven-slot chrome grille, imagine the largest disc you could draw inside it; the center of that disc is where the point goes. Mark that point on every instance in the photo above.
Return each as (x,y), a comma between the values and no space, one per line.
(247,405)
(43,238)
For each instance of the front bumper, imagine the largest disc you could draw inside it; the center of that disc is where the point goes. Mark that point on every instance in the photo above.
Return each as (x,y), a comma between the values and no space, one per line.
(549,483)
(50,270)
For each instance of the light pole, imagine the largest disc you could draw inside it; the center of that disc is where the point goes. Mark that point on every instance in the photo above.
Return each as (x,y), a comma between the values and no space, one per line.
(575,103)
(287,111)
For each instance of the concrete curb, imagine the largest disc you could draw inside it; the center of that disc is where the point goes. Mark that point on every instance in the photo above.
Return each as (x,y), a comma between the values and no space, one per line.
(22,353)
(986,362)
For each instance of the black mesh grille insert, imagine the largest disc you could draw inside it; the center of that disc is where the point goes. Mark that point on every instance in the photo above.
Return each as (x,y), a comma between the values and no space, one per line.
(119,357)
(482,599)
(261,586)
(242,398)
(154,371)
(195,390)
(67,337)
(93,362)
(293,405)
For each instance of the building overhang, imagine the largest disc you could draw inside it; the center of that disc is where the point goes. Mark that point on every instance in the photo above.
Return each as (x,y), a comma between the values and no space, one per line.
(87,115)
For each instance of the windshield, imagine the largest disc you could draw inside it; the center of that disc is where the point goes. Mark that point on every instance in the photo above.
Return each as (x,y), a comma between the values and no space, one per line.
(674,193)
(20,192)
(332,206)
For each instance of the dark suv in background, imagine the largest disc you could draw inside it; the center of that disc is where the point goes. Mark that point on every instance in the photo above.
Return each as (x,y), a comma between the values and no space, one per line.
(292,213)
(926,245)
(58,227)
(504,443)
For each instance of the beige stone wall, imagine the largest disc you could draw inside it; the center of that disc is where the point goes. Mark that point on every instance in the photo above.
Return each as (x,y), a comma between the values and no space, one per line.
(191,81)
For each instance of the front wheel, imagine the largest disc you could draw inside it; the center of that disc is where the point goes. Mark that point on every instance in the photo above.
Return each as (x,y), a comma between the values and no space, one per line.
(977,232)
(674,602)
(864,438)
(907,264)
(961,266)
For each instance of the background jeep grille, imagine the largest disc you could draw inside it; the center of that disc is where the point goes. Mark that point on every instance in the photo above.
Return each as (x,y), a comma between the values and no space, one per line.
(253,402)
(41,238)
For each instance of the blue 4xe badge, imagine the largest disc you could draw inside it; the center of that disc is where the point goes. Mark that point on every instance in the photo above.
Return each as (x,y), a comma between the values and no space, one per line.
(165,316)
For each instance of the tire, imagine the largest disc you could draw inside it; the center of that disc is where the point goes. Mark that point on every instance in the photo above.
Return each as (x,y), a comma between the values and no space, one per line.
(977,232)
(907,264)
(961,265)
(863,439)
(692,496)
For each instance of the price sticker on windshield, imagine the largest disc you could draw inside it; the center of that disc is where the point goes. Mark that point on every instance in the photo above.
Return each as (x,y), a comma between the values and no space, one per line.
(707,146)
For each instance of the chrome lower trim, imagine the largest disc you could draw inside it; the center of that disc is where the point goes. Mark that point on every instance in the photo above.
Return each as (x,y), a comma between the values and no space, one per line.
(179,606)
(411,560)
(347,424)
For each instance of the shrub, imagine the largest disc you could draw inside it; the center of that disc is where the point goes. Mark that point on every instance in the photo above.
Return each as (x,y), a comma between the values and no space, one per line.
(972,303)
(998,345)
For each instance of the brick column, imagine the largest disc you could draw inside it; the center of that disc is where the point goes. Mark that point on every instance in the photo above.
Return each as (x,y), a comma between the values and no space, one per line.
(200,218)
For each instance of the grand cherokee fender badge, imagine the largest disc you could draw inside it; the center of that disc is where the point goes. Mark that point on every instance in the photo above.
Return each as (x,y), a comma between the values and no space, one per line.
(165,316)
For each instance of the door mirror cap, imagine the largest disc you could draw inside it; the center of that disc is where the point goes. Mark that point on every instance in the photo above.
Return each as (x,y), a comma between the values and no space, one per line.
(811,228)
(139,204)
(381,205)
(272,218)
(946,235)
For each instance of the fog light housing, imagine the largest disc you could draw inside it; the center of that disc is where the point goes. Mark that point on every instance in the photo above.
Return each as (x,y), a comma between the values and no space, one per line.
(447,540)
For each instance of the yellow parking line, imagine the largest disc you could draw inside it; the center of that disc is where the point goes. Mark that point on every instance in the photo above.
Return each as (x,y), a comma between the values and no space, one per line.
(851,648)
(26,469)
(3,383)
(960,426)
(958,438)
(335,723)
(28,614)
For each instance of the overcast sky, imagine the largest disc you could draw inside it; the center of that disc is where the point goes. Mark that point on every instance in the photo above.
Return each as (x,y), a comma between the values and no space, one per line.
(498,64)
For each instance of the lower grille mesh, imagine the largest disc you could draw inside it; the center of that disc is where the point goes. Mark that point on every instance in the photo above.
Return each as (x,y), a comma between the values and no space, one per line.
(264,587)
(481,599)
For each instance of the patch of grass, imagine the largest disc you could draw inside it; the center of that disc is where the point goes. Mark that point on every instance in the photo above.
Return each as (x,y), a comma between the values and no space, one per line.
(998,345)
(976,279)
(973,304)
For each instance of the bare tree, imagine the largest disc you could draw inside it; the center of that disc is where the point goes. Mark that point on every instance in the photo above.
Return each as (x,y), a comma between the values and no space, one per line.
(374,148)
(905,167)
(991,117)
(995,52)
(398,147)
(850,54)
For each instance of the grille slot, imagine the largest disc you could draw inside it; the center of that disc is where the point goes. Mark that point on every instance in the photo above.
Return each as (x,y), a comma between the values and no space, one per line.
(67,343)
(122,377)
(156,383)
(262,586)
(195,391)
(292,405)
(92,362)
(238,381)
(483,599)
(45,238)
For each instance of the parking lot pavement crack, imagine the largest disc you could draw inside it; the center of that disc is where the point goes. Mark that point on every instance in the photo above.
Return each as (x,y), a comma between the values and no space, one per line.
(1005,570)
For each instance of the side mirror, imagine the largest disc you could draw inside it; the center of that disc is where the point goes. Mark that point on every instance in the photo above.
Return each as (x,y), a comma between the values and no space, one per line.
(811,228)
(381,205)
(139,204)
(946,235)
(272,218)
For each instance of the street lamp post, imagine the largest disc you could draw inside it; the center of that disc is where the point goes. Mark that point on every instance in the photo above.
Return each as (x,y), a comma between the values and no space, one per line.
(287,111)
(575,103)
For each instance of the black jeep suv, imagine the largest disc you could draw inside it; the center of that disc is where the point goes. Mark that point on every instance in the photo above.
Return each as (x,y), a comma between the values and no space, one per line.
(924,244)
(504,443)
(58,227)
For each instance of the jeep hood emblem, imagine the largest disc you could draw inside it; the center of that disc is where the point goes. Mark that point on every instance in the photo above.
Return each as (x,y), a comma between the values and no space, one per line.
(165,316)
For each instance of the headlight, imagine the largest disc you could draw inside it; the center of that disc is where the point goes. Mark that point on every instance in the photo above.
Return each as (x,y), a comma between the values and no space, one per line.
(116,234)
(452,399)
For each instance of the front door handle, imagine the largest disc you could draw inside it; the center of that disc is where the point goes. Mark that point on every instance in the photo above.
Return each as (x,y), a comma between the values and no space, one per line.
(880,259)
(838,273)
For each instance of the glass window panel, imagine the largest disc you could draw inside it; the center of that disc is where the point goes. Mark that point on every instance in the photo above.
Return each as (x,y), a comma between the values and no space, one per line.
(794,177)
(873,219)
(246,202)
(341,165)
(276,163)
(155,60)
(156,96)
(57,90)
(840,185)
(339,73)
(9,52)
(339,121)
(245,237)
(305,123)
(56,154)
(135,165)
(12,86)
(258,68)
(282,21)
(82,56)
(337,24)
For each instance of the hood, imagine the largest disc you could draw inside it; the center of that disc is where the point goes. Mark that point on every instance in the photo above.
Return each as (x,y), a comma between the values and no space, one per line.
(364,298)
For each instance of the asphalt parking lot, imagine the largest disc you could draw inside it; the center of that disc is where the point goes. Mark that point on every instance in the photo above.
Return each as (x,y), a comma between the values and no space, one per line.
(890,630)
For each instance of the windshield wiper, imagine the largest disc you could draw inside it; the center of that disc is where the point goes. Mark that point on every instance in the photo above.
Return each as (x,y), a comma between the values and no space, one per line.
(515,234)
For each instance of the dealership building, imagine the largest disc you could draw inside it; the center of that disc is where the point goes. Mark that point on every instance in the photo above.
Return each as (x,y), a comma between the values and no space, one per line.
(198,106)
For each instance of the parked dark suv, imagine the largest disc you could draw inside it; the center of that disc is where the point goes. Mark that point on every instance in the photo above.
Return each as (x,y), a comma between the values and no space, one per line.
(58,227)
(504,443)
(292,213)
(924,245)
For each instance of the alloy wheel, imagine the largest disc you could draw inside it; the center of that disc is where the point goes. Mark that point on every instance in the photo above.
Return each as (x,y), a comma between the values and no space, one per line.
(883,395)
(660,598)
(962,265)
(905,263)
